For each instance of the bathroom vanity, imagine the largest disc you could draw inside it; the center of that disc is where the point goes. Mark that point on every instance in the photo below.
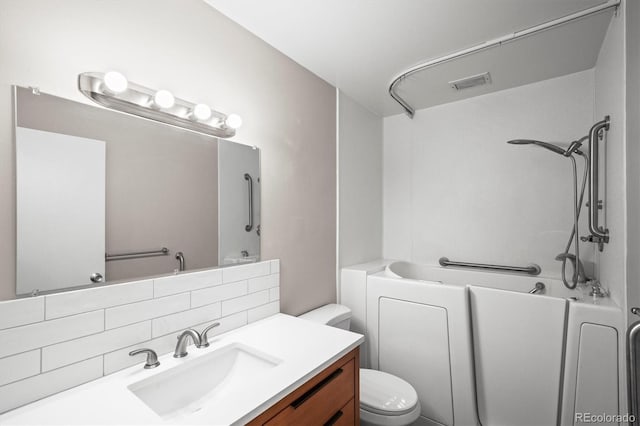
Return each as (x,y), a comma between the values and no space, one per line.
(277,370)
(330,398)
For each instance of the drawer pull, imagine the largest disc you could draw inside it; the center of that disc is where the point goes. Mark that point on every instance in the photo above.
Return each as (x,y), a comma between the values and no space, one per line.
(308,394)
(332,421)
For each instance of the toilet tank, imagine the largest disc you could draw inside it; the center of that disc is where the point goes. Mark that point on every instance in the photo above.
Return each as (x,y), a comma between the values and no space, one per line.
(338,316)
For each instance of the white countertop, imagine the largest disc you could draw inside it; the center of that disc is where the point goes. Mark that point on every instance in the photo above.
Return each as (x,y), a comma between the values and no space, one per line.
(304,347)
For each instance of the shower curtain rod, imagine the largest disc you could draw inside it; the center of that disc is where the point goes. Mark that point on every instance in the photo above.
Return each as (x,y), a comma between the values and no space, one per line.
(410,111)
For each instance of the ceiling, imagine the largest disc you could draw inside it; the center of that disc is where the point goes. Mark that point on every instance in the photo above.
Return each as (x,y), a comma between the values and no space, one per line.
(360,46)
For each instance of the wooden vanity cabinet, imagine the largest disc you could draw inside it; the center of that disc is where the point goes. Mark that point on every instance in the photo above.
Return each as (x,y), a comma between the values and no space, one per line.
(332,397)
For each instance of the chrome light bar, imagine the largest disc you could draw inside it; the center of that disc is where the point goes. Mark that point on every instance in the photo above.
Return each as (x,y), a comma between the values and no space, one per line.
(159,105)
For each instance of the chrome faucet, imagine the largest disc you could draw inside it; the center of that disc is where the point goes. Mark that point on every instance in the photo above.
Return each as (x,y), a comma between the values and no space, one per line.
(152,357)
(597,290)
(183,340)
(204,340)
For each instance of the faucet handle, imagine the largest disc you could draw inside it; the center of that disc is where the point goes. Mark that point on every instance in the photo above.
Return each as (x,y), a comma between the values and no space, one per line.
(152,357)
(205,341)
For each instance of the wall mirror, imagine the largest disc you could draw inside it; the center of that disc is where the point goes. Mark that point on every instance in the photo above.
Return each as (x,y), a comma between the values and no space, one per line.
(104,196)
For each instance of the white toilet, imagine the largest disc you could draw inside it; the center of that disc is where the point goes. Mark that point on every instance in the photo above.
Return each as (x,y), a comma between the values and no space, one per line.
(385,400)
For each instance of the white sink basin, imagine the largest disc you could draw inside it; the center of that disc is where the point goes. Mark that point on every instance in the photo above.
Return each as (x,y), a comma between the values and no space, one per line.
(204,381)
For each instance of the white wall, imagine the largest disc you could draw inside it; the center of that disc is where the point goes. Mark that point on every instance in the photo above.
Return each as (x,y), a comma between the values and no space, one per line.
(610,87)
(633,154)
(453,187)
(610,79)
(188,47)
(360,183)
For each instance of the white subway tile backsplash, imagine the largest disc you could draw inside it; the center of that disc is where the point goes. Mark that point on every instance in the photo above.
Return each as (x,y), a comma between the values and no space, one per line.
(119,359)
(263,311)
(97,344)
(227,323)
(91,299)
(244,272)
(183,320)
(186,282)
(21,339)
(274,294)
(140,311)
(263,283)
(14,313)
(243,303)
(55,342)
(24,391)
(19,366)
(210,295)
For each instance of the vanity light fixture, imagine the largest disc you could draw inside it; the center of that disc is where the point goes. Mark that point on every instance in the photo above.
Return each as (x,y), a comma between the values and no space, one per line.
(201,112)
(233,121)
(115,82)
(113,90)
(164,99)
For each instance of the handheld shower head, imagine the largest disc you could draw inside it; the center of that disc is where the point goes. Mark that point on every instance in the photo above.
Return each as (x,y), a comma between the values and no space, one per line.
(574,147)
(546,145)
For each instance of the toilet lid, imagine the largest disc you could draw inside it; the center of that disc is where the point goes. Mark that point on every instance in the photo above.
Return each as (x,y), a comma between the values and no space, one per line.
(383,393)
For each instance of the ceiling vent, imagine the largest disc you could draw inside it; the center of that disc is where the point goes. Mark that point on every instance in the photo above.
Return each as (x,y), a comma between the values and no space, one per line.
(472,81)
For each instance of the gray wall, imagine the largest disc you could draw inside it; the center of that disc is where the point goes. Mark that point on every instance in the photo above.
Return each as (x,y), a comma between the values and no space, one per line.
(189,48)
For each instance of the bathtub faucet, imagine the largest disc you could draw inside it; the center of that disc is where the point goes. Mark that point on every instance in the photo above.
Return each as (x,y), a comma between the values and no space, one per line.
(596,289)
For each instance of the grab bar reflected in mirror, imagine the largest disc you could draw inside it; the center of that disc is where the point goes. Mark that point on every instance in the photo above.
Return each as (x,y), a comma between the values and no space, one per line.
(532,269)
(136,254)
(249,180)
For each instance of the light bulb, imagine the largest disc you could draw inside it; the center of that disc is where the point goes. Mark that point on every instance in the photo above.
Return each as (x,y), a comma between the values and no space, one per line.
(115,82)
(164,99)
(201,112)
(233,121)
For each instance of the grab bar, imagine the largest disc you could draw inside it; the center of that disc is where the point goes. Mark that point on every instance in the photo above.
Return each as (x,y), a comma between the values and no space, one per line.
(247,177)
(136,254)
(180,258)
(532,269)
(632,367)
(538,288)
(599,235)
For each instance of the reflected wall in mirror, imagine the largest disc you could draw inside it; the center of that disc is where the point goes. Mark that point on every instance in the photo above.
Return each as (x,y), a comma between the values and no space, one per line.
(93,184)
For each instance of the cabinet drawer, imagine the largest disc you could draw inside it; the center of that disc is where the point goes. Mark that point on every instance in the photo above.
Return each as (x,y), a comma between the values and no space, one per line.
(321,401)
(345,416)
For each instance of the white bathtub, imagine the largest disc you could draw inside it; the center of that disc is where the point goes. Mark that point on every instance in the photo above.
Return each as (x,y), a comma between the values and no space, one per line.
(480,349)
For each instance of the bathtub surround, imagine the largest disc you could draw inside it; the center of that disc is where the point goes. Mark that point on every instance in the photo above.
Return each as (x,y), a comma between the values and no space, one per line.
(197,53)
(55,342)
(453,187)
(610,97)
